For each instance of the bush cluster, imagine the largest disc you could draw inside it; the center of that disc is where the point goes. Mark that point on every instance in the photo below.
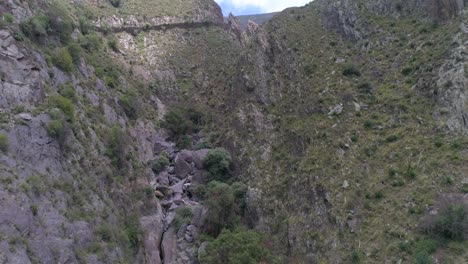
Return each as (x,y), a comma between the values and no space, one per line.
(217,163)
(239,246)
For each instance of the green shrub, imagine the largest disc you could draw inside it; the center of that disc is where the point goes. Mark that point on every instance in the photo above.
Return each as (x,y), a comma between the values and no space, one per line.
(114,148)
(184,142)
(63,60)
(133,231)
(75,52)
(60,22)
(392,138)
(464,188)
(355,257)
(176,123)
(221,203)
(239,246)
(4,145)
(68,91)
(105,233)
(64,104)
(36,26)
(422,251)
(351,70)
(116,3)
(91,42)
(129,103)
(160,164)
(183,216)
(84,25)
(112,43)
(56,129)
(450,223)
(217,164)
(406,71)
(8,18)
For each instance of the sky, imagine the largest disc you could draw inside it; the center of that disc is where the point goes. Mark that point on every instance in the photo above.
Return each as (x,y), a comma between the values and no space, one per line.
(249,7)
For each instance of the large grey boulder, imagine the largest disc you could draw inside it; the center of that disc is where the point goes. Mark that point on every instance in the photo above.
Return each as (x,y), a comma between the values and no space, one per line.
(169,246)
(152,227)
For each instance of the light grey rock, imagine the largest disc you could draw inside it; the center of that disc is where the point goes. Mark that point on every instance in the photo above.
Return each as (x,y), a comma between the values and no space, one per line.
(169,246)
(25,116)
(182,167)
(152,227)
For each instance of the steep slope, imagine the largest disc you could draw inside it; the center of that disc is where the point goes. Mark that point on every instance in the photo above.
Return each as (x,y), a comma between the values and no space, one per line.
(346,119)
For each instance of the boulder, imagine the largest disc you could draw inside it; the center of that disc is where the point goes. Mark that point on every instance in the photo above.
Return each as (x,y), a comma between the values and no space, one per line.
(169,246)
(178,188)
(198,157)
(153,230)
(182,167)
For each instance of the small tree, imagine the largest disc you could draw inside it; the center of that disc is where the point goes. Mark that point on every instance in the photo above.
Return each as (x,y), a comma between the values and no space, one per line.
(239,246)
(217,163)
(4,143)
(220,200)
(450,223)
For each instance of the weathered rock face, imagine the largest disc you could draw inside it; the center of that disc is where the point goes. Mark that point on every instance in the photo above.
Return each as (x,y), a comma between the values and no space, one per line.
(436,9)
(202,11)
(342,16)
(451,91)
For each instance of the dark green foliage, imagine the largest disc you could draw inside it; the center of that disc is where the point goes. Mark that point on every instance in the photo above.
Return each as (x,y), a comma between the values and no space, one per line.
(423,259)
(8,18)
(184,142)
(217,164)
(61,24)
(464,188)
(422,251)
(112,43)
(411,173)
(4,145)
(115,3)
(160,164)
(176,123)
(182,121)
(68,91)
(456,145)
(74,49)
(351,70)
(114,149)
(85,26)
(392,138)
(223,207)
(56,129)
(451,223)
(129,103)
(91,42)
(355,257)
(133,231)
(406,71)
(309,69)
(183,216)
(55,22)
(64,104)
(237,247)
(36,26)
(63,60)
(105,233)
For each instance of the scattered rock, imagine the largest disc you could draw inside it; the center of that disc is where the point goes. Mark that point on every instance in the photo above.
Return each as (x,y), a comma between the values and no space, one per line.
(25,116)
(337,110)
(345,184)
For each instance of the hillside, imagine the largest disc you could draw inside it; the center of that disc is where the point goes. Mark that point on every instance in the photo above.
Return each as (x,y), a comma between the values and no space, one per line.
(259,19)
(156,132)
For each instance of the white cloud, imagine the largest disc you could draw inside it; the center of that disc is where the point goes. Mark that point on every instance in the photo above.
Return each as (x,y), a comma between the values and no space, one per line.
(265,5)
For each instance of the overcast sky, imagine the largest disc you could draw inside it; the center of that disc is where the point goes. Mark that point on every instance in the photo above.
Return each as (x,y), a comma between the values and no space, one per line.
(248,7)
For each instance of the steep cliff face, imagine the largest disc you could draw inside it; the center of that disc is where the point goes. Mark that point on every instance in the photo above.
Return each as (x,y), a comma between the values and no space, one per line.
(346,119)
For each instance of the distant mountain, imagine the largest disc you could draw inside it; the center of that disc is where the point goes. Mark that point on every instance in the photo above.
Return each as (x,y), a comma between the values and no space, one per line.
(259,19)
